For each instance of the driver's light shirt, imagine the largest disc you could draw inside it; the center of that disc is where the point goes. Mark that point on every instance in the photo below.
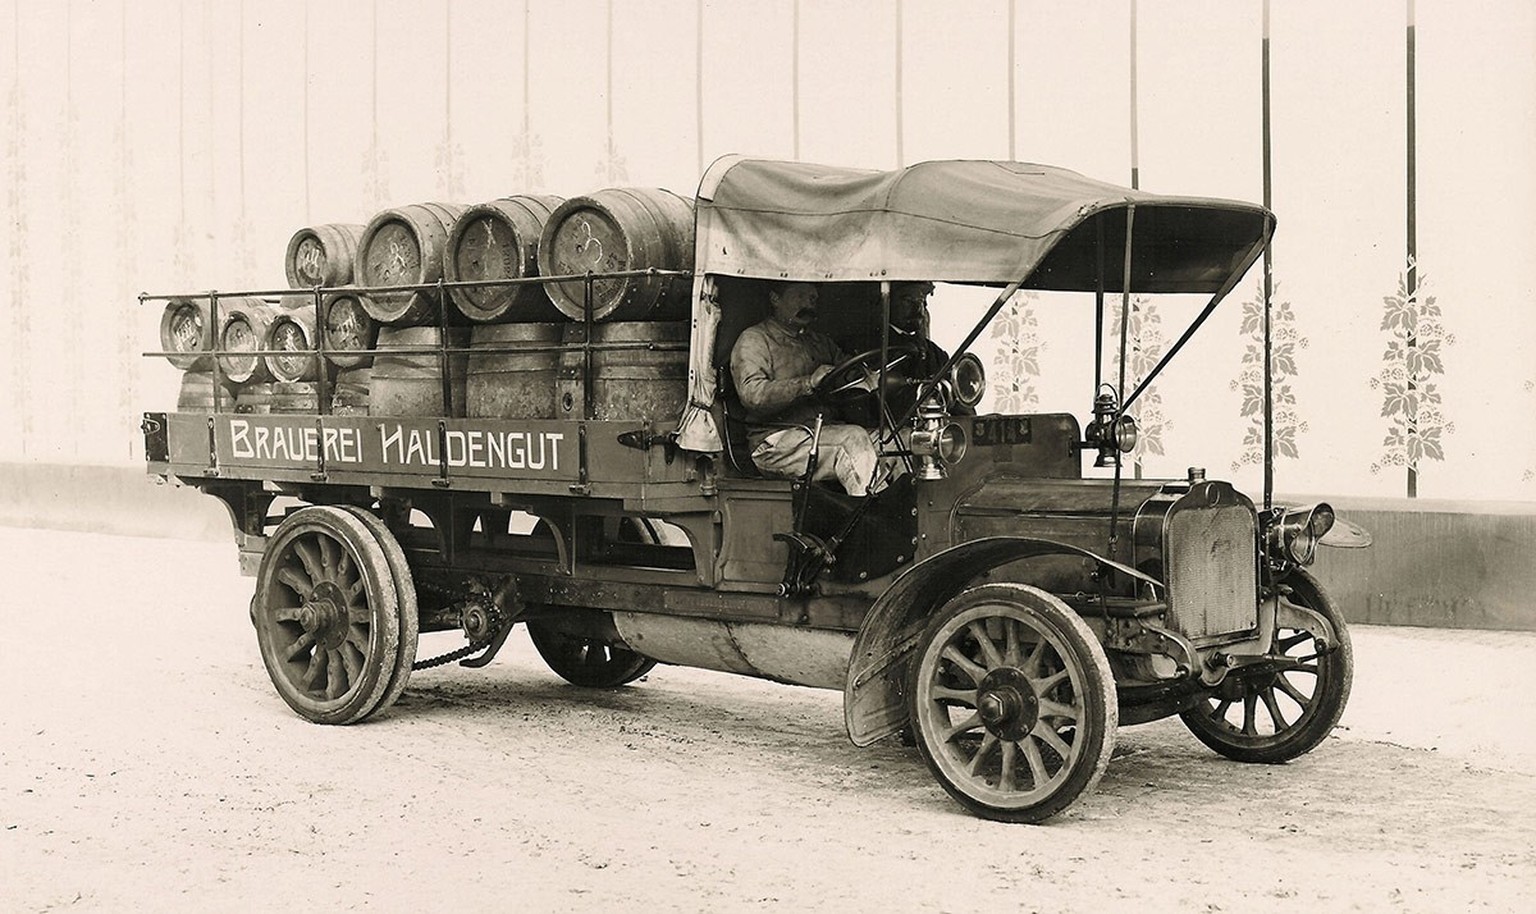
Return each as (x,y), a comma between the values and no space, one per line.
(771,365)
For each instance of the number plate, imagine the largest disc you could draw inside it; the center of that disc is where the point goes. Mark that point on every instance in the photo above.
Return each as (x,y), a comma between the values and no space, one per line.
(991,430)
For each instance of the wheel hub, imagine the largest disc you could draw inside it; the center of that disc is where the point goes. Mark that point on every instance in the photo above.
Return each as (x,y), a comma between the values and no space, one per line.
(324,615)
(1007,704)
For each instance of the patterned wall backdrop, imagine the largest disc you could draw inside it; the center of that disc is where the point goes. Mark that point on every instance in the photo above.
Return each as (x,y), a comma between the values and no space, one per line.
(1286,344)
(162,144)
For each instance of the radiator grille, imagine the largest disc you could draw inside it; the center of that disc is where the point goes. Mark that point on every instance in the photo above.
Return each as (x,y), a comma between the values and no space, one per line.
(1211,570)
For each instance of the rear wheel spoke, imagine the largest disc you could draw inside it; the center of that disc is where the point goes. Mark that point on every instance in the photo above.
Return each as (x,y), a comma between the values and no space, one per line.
(335,676)
(315,668)
(300,645)
(295,580)
(352,660)
(309,555)
(329,551)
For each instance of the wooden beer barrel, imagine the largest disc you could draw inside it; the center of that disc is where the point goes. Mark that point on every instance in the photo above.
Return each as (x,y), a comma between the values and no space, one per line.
(243,324)
(500,240)
(322,255)
(185,327)
(200,395)
(278,397)
(404,246)
(407,372)
(254,398)
(639,371)
(348,328)
(624,228)
(512,371)
(293,331)
(296,397)
(349,396)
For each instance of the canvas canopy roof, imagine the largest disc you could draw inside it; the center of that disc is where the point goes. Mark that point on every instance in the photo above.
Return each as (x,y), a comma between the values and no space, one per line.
(965,221)
(979,222)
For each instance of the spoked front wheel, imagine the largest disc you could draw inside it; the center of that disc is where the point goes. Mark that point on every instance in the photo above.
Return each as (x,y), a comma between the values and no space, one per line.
(1276,715)
(1012,703)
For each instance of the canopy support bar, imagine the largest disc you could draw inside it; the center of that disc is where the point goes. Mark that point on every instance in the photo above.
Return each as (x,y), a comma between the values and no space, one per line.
(965,345)
(1174,350)
(1098,306)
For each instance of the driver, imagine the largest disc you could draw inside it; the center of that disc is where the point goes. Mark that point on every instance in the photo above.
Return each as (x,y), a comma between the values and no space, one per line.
(776,365)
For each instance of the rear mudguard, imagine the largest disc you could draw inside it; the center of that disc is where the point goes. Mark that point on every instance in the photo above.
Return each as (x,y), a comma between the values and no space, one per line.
(874,705)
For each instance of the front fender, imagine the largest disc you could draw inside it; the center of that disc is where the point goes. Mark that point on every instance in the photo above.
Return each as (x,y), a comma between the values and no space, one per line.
(874,705)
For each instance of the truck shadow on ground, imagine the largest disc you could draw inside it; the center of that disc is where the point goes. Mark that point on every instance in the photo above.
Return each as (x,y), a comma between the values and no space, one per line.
(795,738)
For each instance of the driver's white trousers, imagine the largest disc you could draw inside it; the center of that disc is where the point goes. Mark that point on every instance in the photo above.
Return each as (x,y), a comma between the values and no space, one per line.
(848,453)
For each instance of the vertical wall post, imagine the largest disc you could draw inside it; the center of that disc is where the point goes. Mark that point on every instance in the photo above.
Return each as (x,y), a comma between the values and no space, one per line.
(1269,406)
(901,158)
(1412,244)
(1012,80)
(794,79)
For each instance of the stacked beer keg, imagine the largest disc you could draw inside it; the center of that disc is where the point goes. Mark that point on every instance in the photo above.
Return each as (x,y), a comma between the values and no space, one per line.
(501,343)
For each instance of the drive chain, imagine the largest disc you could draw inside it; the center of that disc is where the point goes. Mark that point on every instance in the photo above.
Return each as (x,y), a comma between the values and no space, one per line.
(459,653)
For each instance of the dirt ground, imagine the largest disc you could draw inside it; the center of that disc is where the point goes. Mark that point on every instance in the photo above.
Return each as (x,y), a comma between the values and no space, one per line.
(147,764)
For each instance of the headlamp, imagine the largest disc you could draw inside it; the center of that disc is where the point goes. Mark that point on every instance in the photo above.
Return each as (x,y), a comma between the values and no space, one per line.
(1295,534)
(936,442)
(1111,432)
(967,380)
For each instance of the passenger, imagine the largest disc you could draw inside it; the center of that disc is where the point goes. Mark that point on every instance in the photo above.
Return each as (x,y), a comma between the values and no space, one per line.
(776,365)
(910,323)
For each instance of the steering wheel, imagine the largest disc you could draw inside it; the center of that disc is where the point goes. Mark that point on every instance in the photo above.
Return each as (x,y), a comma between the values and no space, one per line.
(861,373)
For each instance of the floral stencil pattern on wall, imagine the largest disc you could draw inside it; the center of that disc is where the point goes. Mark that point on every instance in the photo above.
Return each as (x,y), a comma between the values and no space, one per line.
(1285,341)
(1017,357)
(1144,347)
(1414,357)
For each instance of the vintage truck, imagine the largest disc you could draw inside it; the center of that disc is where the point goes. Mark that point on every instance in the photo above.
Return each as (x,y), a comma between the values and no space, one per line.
(994,606)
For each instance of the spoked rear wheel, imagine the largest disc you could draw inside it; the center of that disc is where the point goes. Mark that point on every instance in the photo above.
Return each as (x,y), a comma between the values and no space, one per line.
(1012,703)
(1276,716)
(327,611)
(405,595)
(584,660)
